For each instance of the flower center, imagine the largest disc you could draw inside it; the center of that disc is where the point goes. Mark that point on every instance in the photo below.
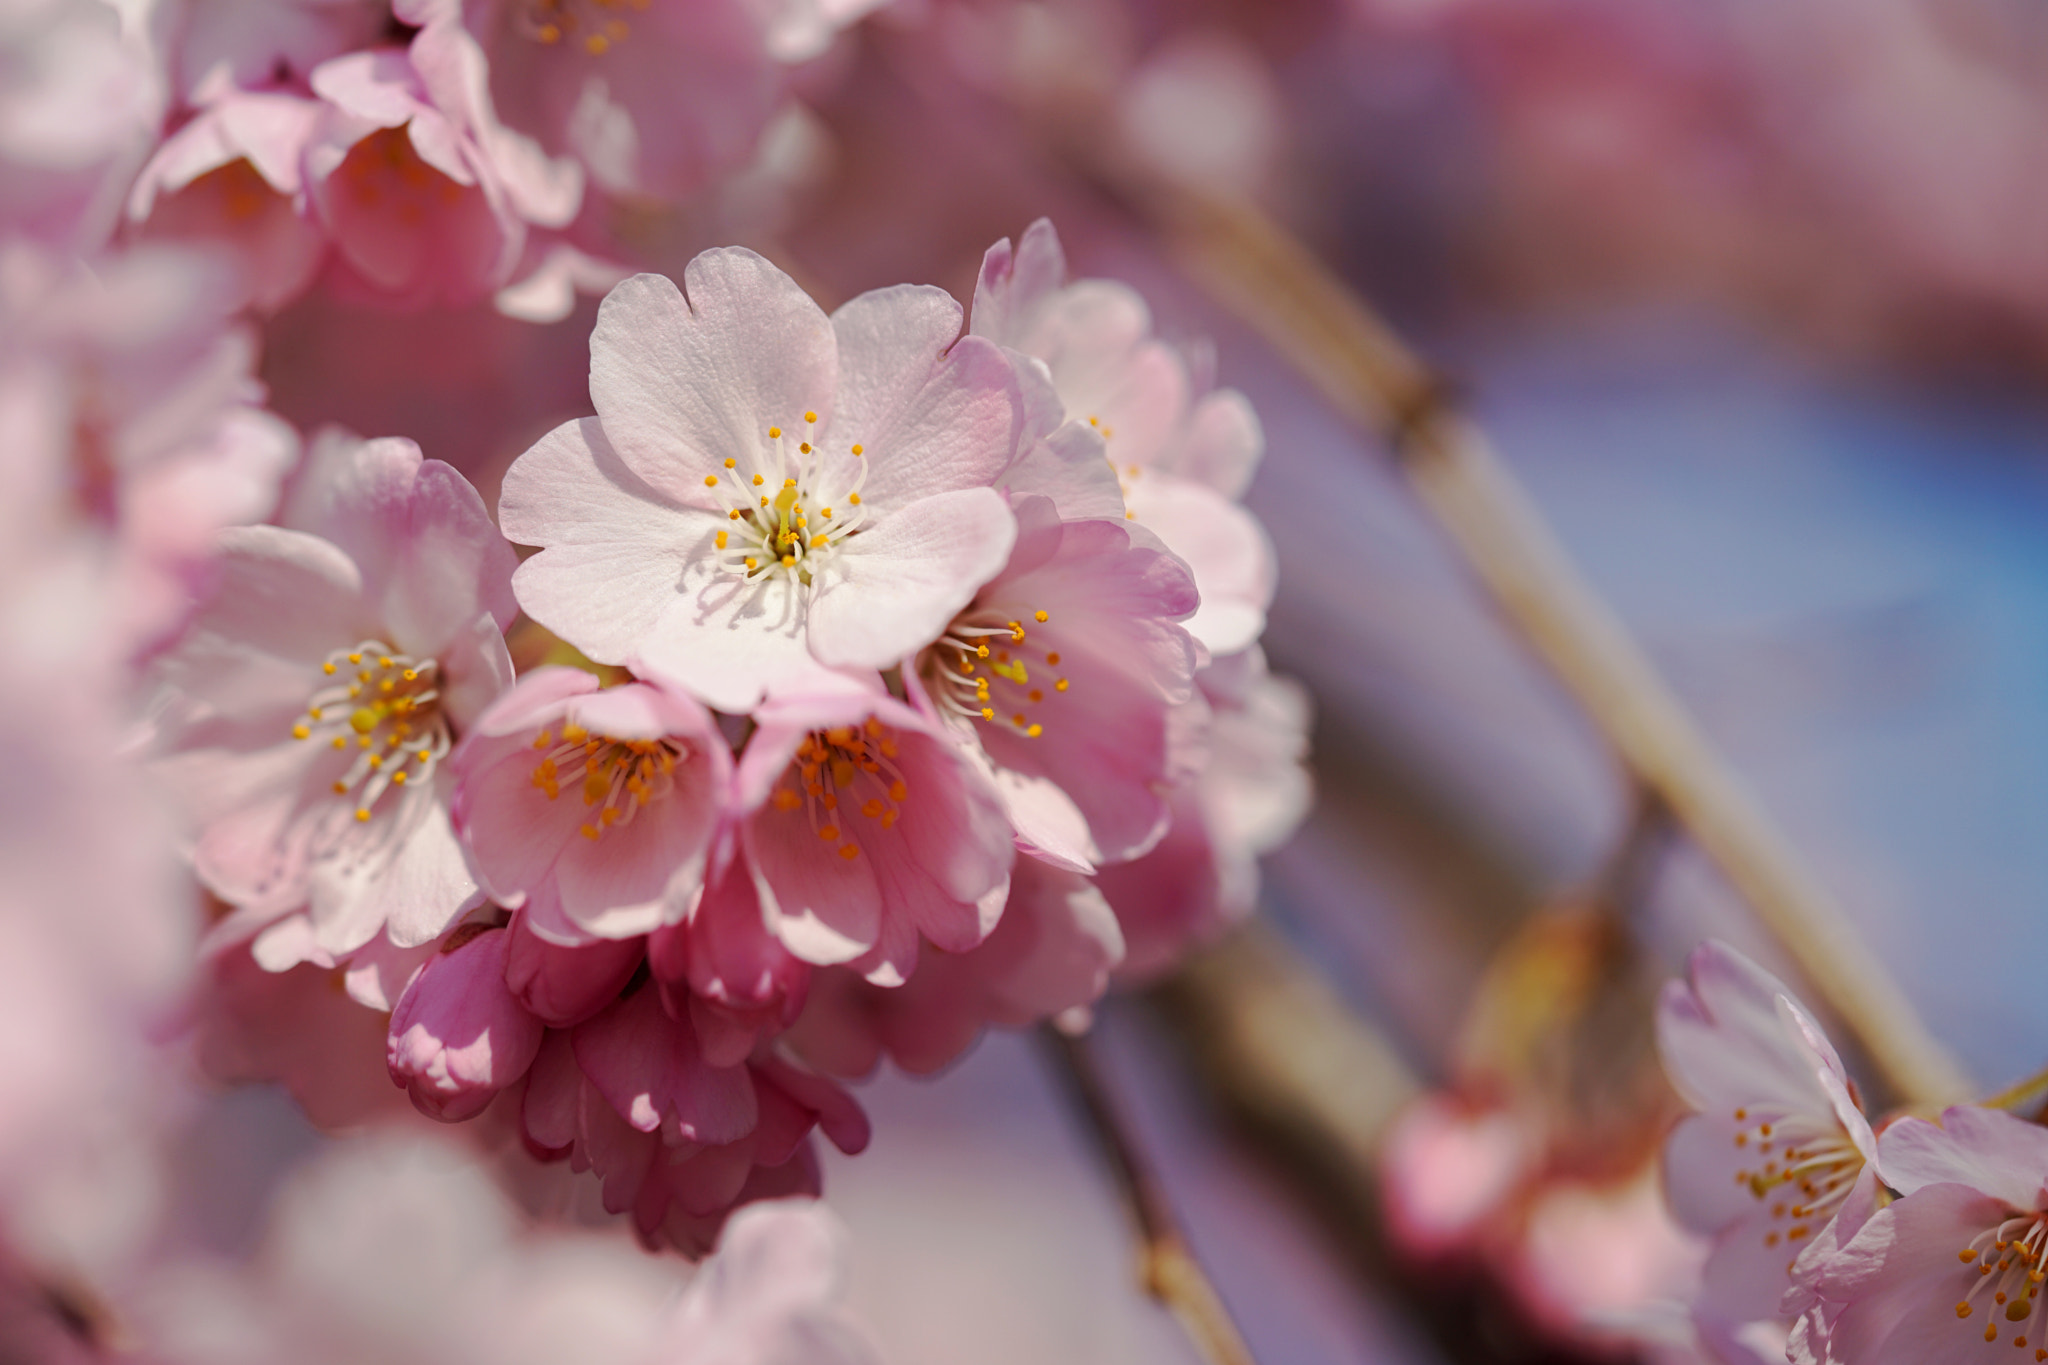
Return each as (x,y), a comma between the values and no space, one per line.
(981,669)
(1807,1171)
(618,776)
(790,509)
(384,707)
(844,769)
(2012,1262)
(594,27)
(383,173)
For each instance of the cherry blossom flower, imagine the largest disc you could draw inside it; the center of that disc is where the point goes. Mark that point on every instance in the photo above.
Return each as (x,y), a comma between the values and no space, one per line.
(426,197)
(1775,1165)
(677,1141)
(1955,1265)
(1052,952)
(765,489)
(654,99)
(1068,671)
(233,177)
(868,829)
(1449,1167)
(1182,455)
(308,708)
(646,773)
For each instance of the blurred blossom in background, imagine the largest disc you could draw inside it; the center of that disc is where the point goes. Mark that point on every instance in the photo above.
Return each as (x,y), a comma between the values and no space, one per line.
(688,681)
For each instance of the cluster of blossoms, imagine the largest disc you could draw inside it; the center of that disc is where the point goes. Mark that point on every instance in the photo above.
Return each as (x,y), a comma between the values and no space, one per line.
(416,152)
(920,693)
(872,684)
(1833,1244)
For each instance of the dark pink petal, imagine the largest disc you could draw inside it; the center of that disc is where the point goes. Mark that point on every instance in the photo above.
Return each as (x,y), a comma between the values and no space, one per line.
(560,986)
(647,1066)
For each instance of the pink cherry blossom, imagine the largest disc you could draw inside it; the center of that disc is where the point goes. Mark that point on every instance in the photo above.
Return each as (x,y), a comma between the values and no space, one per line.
(426,196)
(868,829)
(1775,1165)
(677,1141)
(765,489)
(591,810)
(1954,1266)
(1182,455)
(308,708)
(233,177)
(1068,672)
(1052,952)
(656,101)
(1449,1168)
(458,1035)
(1587,1252)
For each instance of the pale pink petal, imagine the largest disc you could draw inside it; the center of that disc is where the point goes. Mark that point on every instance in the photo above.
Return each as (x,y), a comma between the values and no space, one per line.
(824,908)
(1013,284)
(615,551)
(1989,1150)
(929,419)
(892,588)
(1064,461)
(283,601)
(1724,1044)
(1901,1279)
(1220,445)
(1228,551)
(379,971)
(680,386)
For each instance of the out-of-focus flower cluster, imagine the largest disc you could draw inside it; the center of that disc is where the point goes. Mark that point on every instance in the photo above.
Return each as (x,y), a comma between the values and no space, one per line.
(880,676)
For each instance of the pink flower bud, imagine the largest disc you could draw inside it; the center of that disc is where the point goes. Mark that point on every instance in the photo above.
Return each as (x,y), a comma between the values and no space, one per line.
(458,1035)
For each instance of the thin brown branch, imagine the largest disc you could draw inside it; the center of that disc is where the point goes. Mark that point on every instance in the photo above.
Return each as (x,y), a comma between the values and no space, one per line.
(1272,282)
(1167,1268)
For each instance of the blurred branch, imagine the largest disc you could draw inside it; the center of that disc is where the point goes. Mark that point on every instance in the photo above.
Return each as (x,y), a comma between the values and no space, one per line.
(2030,1095)
(1316,1088)
(1167,1268)
(1272,282)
